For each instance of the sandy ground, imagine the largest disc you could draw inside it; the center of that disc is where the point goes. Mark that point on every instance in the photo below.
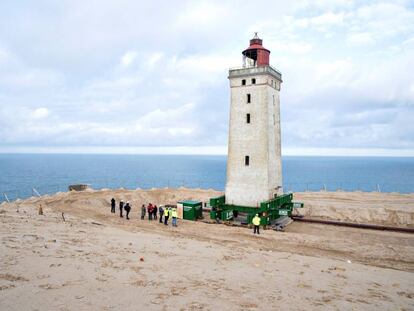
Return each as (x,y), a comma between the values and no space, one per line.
(391,209)
(92,261)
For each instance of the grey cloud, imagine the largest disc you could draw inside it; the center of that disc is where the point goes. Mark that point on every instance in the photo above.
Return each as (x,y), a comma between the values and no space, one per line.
(172,90)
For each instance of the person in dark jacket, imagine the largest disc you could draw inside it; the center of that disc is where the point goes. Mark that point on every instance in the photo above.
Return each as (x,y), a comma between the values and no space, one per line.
(121,207)
(112,205)
(155,211)
(150,211)
(127,209)
(143,211)
(161,212)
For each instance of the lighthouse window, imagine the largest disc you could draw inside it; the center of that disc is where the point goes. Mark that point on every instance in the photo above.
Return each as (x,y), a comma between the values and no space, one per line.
(248,118)
(248,98)
(253,81)
(246,160)
(244,82)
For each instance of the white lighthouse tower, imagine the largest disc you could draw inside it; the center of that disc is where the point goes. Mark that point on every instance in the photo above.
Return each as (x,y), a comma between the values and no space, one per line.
(254,168)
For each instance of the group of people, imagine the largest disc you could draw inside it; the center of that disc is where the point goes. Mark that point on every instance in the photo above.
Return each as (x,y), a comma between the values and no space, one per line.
(164,213)
(122,207)
(152,211)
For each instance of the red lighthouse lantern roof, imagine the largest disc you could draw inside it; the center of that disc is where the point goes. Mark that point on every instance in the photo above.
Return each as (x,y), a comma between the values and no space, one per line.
(257,52)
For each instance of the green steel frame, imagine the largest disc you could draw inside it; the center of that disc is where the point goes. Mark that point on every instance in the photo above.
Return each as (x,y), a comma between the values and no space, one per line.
(269,210)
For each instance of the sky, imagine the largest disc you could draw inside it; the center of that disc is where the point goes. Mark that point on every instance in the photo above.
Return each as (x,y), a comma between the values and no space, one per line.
(151,76)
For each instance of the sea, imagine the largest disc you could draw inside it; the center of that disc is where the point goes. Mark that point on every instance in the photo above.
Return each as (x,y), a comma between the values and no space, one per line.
(25,175)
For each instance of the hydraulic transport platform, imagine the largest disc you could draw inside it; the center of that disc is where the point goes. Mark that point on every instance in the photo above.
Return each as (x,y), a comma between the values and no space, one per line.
(269,211)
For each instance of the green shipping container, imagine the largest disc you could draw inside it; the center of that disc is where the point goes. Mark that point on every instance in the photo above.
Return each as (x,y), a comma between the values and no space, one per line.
(192,210)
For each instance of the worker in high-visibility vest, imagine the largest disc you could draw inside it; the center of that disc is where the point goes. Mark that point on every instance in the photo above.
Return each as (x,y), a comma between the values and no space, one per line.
(166,216)
(256,224)
(174,216)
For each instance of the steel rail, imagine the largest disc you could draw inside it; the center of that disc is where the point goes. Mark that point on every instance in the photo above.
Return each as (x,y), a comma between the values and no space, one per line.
(352,224)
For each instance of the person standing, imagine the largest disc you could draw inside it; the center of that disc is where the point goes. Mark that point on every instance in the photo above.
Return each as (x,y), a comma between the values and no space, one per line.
(166,216)
(150,211)
(127,209)
(121,207)
(256,224)
(143,210)
(155,212)
(161,213)
(174,217)
(113,205)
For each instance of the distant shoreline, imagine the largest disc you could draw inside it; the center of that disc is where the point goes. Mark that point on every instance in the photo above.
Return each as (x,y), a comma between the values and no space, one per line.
(208,154)
(91,190)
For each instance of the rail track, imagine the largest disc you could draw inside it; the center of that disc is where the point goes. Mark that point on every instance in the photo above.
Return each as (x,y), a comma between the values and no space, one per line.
(352,224)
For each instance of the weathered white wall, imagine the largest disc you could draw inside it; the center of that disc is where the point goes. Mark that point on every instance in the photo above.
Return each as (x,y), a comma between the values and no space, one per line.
(260,140)
(274,142)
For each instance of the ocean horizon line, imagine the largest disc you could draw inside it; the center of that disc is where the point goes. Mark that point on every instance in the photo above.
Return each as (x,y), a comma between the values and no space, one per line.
(205,154)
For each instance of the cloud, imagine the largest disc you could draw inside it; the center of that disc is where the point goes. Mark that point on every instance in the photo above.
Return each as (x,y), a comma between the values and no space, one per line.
(155,58)
(363,38)
(201,14)
(327,19)
(128,58)
(146,74)
(292,47)
(5,55)
(40,113)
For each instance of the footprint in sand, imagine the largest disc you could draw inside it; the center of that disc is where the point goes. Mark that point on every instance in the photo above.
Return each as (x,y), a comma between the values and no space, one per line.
(4,287)
(49,286)
(407,295)
(11,279)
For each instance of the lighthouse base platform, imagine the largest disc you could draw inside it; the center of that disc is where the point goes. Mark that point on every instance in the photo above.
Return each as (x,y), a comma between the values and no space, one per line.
(269,211)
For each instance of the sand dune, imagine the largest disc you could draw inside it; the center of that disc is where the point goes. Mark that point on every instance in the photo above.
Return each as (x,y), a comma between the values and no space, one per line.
(391,209)
(95,260)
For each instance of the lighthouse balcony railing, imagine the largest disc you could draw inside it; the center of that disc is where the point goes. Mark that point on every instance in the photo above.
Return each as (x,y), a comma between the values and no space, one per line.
(241,71)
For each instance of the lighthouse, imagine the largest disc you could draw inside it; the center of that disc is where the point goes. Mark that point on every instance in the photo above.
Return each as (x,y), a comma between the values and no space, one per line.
(254,167)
